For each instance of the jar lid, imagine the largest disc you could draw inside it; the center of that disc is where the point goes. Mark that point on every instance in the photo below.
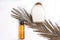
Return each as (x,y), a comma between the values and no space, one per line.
(38,3)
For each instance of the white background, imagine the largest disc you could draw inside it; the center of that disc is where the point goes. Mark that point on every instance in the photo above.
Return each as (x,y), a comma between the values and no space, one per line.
(9,25)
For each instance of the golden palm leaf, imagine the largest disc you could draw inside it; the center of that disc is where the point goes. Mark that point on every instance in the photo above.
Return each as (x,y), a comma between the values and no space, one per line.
(46,28)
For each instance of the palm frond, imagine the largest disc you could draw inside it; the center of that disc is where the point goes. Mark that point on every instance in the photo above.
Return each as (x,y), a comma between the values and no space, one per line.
(46,28)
